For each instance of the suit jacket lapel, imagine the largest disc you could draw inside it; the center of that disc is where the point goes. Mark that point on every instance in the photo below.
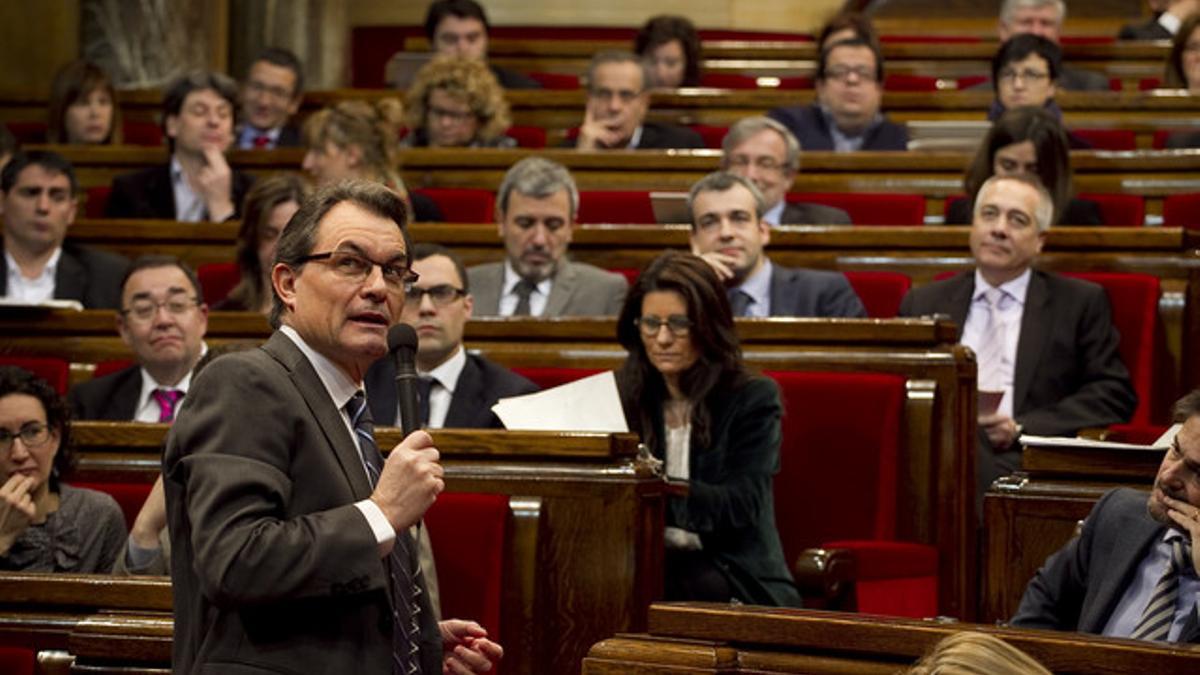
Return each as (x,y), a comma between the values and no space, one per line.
(162,191)
(304,376)
(560,289)
(960,299)
(1137,532)
(486,288)
(70,279)
(467,398)
(125,397)
(783,297)
(1036,323)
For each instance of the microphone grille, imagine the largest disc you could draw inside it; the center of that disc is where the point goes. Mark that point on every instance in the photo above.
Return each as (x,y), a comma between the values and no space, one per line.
(401,335)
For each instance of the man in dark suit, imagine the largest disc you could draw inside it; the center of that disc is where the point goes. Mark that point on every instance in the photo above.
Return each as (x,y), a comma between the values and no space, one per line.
(1131,571)
(457,389)
(846,115)
(728,232)
(1165,23)
(1045,18)
(535,213)
(763,151)
(1045,342)
(197,183)
(615,117)
(38,204)
(163,320)
(290,538)
(271,95)
(460,28)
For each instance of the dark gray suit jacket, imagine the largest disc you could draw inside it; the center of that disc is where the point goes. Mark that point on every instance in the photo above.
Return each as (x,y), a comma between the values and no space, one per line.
(480,384)
(1079,586)
(801,292)
(149,194)
(274,569)
(91,276)
(1150,30)
(112,397)
(811,129)
(656,136)
(805,213)
(1074,79)
(578,289)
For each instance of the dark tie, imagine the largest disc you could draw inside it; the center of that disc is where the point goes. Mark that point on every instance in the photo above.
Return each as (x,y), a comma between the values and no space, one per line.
(424,387)
(167,400)
(523,289)
(1159,614)
(739,301)
(403,568)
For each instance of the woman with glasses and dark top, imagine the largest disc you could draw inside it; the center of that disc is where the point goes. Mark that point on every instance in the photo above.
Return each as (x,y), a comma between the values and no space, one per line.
(269,206)
(45,525)
(1183,72)
(1026,140)
(456,103)
(688,395)
(670,47)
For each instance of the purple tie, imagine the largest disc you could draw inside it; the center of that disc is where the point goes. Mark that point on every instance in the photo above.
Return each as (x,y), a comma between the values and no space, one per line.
(167,400)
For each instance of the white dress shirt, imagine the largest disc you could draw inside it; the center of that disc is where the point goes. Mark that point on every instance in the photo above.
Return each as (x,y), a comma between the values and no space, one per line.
(31,291)
(678,444)
(189,207)
(1008,319)
(508,295)
(441,392)
(758,287)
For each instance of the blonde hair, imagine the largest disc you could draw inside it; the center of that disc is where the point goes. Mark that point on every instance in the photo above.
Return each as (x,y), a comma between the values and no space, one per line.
(372,127)
(467,79)
(972,653)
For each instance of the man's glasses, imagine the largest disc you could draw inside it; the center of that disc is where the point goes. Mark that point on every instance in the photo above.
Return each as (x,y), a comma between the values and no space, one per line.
(441,295)
(145,309)
(843,73)
(678,324)
(32,434)
(1027,75)
(764,163)
(355,267)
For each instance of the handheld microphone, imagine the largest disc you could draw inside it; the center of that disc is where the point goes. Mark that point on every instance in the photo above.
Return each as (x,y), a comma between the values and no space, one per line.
(402,343)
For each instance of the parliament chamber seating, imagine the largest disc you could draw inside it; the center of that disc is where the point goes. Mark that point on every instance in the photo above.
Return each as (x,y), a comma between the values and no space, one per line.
(95,200)
(1182,210)
(556,80)
(527,136)
(1119,210)
(130,495)
(109,366)
(463,205)
(55,371)
(17,660)
(598,207)
(712,135)
(870,208)
(1108,139)
(550,376)
(880,292)
(217,280)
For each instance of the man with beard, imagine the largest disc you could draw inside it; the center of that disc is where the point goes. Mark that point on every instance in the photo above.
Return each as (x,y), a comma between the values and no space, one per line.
(1132,570)
(535,215)
(729,233)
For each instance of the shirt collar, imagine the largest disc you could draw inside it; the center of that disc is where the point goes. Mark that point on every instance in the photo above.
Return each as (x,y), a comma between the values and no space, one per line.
(1016,289)
(511,279)
(1170,22)
(448,372)
(335,380)
(758,285)
(49,271)
(635,139)
(149,384)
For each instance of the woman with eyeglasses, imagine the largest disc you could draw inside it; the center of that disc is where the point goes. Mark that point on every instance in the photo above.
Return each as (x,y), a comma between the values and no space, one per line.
(716,426)
(46,525)
(456,103)
(269,206)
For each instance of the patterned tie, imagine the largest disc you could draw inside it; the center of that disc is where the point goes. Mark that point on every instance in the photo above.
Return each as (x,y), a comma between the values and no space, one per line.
(262,141)
(523,289)
(989,354)
(739,302)
(167,399)
(403,568)
(424,387)
(1159,614)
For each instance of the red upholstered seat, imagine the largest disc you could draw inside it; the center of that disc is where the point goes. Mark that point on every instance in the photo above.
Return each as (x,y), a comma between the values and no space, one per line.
(971,80)
(837,484)
(552,377)
(55,371)
(1119,210)
(528,137)
(469,533)
(556,80)
(899,82)
(1108,139)
(97,199)
(880,292)
(615,206)
(1148,83)
(129,496)
(17,660)
(1182,210)
(463,205)
(111,366)
(142,132)
(866,208)
(712,135)
(27,132)
(796,82)
(728,81)
(631,274)
(217,279)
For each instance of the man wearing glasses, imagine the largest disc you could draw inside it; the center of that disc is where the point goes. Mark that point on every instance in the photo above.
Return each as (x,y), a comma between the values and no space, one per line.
(618,98)
(764,152)
(271,94)
(291,549)
(162,320)
(456,390)
(846,115)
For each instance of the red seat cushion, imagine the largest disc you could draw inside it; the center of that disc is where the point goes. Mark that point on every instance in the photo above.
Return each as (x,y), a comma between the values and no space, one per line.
(1108,139)
(712,135)
(111,366)
(217,279)
(547,377)
(728,81)
(971,80)
(867,208)
(17,660)
(1148,83)
(796,82)
(469,533)
(615,206)
(1119,210)
(1182,210)
(898,82)
(28,132)
(96,201)
(556,80)
(142,132)
(528,137)
(463,205)
(129,496)
(880,292)
(55,371)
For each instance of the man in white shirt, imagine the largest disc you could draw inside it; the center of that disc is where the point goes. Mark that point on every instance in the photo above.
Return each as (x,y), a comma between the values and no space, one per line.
(38,205)
(535,214)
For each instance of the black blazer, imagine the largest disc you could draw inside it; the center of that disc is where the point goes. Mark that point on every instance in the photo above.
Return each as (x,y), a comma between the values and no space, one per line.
(805,213)
(149,194)
(112,397)
(1150,30)
(1078,212)
(511,79)
(1079,586)
(810,128)
(91,276)
(1069,374)
(656,136)
(801,292)
(480,384)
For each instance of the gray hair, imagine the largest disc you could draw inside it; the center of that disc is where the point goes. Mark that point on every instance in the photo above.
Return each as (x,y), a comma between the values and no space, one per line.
(720,181)
(539,178)
(1043,215)
(749,126)
(618,56)
(1010,7)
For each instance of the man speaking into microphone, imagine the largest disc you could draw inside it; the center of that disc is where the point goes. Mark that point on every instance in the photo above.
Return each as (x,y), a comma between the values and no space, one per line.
(290,536)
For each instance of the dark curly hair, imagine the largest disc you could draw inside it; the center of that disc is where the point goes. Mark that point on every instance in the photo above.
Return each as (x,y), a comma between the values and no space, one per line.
(14,380)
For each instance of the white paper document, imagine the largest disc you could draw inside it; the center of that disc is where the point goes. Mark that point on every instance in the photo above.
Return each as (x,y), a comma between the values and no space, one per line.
(1163,442)
(590,404)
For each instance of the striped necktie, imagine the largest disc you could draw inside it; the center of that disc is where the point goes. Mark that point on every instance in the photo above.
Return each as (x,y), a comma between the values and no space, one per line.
(403,568)
(989,354)
(167,400)
(1159,614)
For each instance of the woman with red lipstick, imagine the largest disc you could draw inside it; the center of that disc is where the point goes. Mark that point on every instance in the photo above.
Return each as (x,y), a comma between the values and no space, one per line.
(687,393)
(83,107)
(46,526)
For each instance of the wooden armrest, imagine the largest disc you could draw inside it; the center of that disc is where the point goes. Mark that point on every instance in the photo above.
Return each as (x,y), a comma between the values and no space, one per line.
(1094,433)
(825,578)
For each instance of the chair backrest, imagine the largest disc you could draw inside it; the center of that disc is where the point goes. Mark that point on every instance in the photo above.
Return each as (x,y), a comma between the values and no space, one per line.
(1119,210)
(110,366)
(549,376)
(217,279)
(1182,210)
(1108,139)
(469,533)
(556,80)
(527,137)
(614,206)
(17,660)
(880,292)
(28,132)
(867,208)
(129,496)
(728,81)
(56,371)
(838,465)
(463,205)
(901,82)
(96,200)
(712,135)
(142,132)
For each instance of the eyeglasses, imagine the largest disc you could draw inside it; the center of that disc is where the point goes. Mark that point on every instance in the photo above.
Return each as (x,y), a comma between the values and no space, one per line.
(1027,75)
(145,310)
(277,93)
(626,95)
(357,268)
(764,163)
(441,295)
(843,73)
(32,434)
(677,324)
(452,115)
